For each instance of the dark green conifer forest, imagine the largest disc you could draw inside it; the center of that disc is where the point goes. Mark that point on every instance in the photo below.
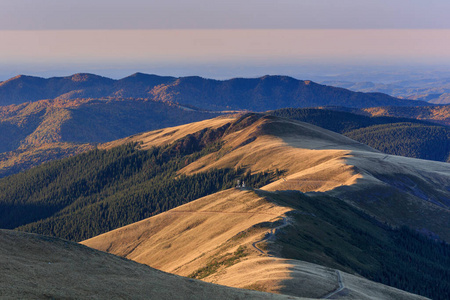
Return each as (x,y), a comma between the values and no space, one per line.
(89,194)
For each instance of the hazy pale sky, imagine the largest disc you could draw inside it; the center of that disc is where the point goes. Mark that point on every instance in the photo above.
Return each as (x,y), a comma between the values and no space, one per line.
(218,38)
(231,14)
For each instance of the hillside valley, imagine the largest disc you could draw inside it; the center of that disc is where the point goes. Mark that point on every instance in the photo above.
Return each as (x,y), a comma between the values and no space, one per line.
(216,239)
(340,214)
(37,132)
(224,150)
(317,191)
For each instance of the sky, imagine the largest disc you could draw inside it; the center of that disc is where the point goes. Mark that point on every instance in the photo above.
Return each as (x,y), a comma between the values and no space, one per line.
(221,39)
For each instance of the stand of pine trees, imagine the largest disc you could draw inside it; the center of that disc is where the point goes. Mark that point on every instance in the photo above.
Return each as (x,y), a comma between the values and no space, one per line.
(89,194)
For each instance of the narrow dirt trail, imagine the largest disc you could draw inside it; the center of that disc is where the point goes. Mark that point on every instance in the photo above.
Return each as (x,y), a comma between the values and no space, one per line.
(336,291)
(217,212)
(269,236)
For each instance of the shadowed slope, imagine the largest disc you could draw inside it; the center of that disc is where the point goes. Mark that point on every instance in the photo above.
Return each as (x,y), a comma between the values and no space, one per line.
(219,238)
(40,267)
(21,89)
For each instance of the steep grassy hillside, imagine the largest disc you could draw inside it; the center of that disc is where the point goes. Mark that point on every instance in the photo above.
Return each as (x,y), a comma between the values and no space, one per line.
(257,94)
(310,158)
(397,136)
(37,132)
(307,158)
(40,267)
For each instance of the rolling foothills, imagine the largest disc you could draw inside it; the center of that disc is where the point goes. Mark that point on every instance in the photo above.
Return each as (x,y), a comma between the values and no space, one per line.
(319,193)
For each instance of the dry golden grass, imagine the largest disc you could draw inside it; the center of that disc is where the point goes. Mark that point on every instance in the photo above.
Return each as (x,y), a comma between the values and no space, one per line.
(168,135)
(299,149)
(184,239)
(317,160)
(312,159)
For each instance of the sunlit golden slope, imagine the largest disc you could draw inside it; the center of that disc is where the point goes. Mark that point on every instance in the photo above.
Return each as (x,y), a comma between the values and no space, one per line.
(183,240)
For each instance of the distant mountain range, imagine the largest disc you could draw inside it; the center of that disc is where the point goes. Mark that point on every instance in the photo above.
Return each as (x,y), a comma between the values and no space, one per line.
(255,94)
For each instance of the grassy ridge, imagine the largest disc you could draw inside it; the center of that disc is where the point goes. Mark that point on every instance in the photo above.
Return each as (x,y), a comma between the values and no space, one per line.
(397,136)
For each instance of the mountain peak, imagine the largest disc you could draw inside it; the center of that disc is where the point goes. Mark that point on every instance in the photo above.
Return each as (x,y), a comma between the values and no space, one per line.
(141,75)
(83,77)
(21,77)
